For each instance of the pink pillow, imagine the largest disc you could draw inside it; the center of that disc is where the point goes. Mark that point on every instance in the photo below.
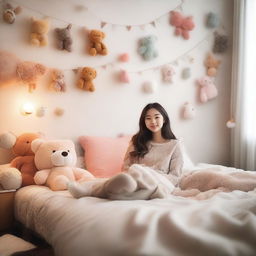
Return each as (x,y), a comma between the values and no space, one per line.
(104,156)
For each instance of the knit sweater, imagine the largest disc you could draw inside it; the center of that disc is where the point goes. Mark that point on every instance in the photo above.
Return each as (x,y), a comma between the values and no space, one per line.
(165,158)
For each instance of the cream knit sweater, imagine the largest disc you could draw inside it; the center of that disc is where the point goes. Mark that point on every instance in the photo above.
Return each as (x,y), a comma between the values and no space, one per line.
(165,158)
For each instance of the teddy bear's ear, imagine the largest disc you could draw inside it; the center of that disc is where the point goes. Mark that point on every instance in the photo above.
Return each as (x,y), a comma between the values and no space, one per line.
(36,144)
(7,140)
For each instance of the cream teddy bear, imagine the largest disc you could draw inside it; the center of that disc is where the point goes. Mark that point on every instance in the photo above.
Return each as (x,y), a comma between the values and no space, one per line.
(56,160)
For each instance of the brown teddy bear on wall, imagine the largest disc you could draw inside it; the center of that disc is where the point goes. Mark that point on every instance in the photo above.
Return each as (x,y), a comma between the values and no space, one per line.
(39,30)
(57,81)
(212,65)
(87,74)
(64,40)
(96,45)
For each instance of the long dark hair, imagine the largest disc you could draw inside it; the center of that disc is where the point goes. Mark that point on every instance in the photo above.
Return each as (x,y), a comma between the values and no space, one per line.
(141,138)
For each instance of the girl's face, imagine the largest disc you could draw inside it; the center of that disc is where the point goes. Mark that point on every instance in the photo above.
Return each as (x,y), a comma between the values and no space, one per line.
(154,120)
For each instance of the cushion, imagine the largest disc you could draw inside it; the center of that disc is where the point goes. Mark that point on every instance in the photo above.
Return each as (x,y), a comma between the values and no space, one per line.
(188,163)
(104,156)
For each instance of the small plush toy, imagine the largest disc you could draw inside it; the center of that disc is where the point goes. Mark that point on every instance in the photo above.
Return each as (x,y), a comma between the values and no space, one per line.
(183,25)
(167,73)
(87,74)
(188,111)
(9,13)
(124,57)
(186,73)
(57,81)
(149,87)
(124,76)
(29,72)
(212,20)
(96,46)
(220,43)
(147,47)
(208,89)
(64,40)
(56,160)
(39,30)
(231,123)
(24,158)
(212,65)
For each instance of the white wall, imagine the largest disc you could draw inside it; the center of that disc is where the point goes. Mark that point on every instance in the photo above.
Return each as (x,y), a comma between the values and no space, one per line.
(114,107)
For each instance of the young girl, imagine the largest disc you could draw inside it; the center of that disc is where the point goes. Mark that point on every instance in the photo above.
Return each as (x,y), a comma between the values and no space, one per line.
(152,165)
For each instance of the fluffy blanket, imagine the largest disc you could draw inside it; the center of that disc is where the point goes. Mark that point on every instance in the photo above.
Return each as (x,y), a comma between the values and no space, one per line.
(141,182)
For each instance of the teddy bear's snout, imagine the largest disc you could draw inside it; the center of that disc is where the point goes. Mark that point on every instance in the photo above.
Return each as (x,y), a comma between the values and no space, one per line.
(62,157)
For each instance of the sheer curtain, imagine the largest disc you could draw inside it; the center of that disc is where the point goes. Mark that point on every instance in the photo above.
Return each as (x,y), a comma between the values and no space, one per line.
(243,92)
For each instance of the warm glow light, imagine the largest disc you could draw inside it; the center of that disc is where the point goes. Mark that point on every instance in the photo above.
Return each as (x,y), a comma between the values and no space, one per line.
(27,108)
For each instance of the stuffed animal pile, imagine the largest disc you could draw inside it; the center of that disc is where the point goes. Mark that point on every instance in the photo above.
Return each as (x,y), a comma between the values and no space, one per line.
(55,160)
(21,170)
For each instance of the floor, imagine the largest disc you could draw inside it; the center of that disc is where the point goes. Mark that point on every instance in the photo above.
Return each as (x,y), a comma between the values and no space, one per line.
(43,248)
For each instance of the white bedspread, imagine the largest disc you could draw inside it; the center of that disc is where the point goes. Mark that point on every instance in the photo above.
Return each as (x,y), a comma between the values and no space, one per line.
(224,224)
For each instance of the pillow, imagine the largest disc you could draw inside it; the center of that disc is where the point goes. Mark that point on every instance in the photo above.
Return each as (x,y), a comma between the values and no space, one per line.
(104,156)
(187,162)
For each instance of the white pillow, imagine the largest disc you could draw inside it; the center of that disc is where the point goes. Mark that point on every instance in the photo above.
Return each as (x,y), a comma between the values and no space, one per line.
(188,163)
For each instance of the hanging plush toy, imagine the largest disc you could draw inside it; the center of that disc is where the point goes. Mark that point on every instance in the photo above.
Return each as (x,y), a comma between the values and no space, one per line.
(212,65)
(188,111)
(147,48)
(183,25)
(87,74)
(186,73)
(124,76)
(57,84)
(149,87)
(39,30)
(208,89)
(212,20)
(220,43)
(124,57)
(231,123)
(9,13)
(167,73)
(96,45)
(64,40)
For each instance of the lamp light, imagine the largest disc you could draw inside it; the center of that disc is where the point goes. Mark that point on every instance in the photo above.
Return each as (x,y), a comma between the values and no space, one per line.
(27,109)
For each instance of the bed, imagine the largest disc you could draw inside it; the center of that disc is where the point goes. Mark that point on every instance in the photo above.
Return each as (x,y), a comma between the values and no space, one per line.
(222,223)
(219,224)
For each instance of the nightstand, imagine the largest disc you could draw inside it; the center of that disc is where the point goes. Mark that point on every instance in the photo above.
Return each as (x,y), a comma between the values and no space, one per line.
(6,209)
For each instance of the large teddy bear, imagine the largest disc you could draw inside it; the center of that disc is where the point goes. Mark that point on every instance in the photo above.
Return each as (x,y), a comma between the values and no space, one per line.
(21,170)
(56,160)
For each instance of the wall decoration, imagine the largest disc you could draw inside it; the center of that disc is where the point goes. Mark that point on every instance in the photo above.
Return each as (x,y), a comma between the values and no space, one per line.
(9,13)
(167,73)
(183,25)
(64,40)
(208,89)
(186,73)
(188,111)
(125,57)
(220,43)
(149,87)
(212,65)
(124,76)
(59,111)
(147,47)
(57,81)
(39,30)
(13,70)
(96,45)
(212,20)
(87,74)
(40,112)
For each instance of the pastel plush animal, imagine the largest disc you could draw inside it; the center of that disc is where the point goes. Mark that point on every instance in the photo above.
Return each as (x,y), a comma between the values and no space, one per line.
(56,160)
(147,48)
(188,111)
(87,74)
(64,40)
(39,30)
(23,161)
(208,89)
(183,25)
(167,73)
(96,45)
(212,65)
(57,81)
(9,13)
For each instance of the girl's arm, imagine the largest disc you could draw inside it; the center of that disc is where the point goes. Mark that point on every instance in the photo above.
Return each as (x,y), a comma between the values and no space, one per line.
(127,159)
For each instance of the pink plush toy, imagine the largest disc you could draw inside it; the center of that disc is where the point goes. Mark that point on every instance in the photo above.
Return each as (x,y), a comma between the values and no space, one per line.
(124,76)
(208,89)
(182,24)
(55,160)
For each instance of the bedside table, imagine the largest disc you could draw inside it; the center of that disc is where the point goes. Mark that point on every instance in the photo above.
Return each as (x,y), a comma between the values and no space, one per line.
(6,209)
